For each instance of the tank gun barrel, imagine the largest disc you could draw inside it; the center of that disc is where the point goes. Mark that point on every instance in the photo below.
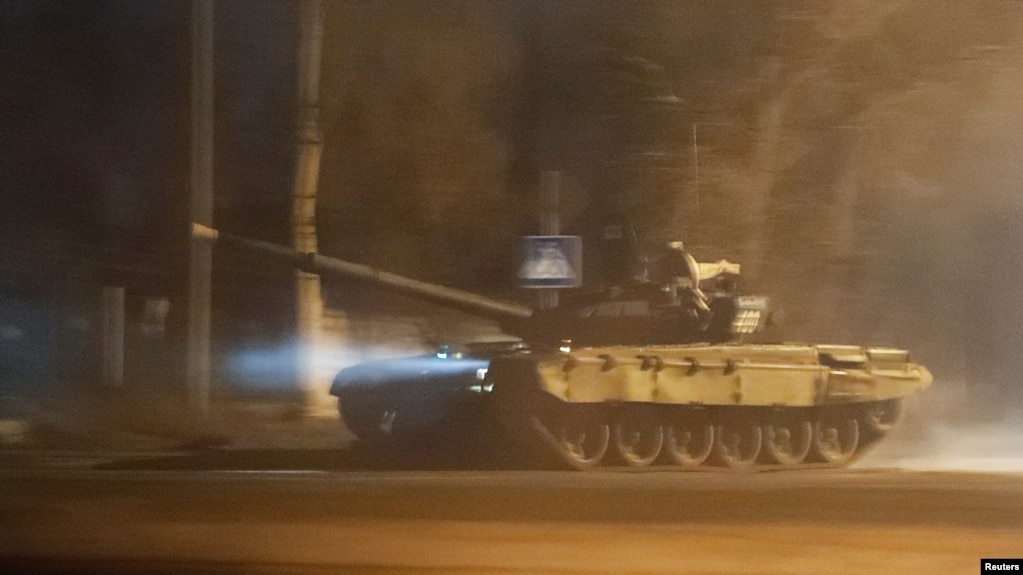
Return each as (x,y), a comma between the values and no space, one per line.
(328,266)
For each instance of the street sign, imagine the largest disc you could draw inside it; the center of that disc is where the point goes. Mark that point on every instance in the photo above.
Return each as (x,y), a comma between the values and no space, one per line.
(551,262)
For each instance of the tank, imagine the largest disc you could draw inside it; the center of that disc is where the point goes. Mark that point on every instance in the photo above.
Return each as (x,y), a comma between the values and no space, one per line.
(637,376)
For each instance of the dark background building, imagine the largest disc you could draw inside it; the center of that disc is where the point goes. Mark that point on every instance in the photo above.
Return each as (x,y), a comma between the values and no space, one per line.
(858,158)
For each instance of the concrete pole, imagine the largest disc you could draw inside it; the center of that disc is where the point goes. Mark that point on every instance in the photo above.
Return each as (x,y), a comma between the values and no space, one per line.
(201,209)
(309,300)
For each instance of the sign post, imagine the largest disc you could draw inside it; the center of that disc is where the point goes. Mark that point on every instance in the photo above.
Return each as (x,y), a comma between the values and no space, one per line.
(550,225)
(551,262)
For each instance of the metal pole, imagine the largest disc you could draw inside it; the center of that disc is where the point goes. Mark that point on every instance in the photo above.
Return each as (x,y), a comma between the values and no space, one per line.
(550,225)
(696,176)
(201,208)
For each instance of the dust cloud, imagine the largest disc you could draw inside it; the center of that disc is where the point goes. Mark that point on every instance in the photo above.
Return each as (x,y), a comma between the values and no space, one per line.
(942,431)
(995,447)
(989,447)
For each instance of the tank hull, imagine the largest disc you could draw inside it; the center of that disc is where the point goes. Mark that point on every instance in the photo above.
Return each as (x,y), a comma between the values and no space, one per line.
(728,406)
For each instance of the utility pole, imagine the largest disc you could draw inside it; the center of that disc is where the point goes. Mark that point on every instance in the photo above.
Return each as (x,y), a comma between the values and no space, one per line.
(309,300)
(200,209)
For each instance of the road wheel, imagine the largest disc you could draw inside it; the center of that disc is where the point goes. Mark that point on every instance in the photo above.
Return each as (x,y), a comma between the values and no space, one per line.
(371,423)
(689,440)
(638,437)
(835,438)
(737,443)
(582,440)
(787,439)
(881,416)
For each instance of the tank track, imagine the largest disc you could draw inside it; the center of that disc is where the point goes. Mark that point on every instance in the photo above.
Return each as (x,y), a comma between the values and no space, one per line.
(643,437)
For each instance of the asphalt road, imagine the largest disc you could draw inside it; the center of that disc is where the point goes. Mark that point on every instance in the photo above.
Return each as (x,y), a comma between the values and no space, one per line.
(306,514)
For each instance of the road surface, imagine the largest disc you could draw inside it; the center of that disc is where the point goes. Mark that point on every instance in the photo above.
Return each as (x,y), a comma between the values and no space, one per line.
(101,514)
